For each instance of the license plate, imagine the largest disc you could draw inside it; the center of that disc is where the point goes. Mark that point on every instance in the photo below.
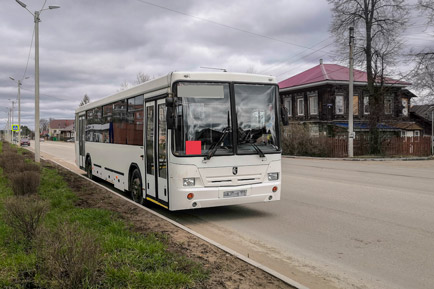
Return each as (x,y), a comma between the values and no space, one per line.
(234,194)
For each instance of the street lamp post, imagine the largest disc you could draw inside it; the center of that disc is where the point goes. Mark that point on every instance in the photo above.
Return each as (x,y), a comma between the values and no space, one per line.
(19,105)
(12,120)
(37,20)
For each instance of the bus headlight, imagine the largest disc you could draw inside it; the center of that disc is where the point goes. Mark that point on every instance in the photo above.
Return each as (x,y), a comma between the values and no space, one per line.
(273,176)
(188,182)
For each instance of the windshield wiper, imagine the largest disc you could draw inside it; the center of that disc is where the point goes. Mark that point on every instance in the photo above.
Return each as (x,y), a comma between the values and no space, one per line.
(258,150)
(214,147)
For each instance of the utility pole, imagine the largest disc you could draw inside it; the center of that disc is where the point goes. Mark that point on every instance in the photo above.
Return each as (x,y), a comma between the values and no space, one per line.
(350,98)
(432,130)
(12,121)
(36,20)
(10,125)
(37,133)
(19,83)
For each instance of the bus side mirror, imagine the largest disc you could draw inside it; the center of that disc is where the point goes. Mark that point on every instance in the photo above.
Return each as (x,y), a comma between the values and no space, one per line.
(170,112)
(284,114)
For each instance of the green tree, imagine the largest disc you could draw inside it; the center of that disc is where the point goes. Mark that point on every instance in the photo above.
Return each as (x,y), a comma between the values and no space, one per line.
(25,131)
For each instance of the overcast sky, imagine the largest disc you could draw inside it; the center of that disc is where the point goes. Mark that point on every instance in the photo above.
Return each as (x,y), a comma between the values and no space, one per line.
(91,47)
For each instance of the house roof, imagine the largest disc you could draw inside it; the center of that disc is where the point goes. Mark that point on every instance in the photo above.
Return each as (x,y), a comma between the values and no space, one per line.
(407,126)
(325,73)
(423,111)
(61,123)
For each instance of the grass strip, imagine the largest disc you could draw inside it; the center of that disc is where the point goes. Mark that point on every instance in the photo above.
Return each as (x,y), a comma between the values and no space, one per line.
(128,259)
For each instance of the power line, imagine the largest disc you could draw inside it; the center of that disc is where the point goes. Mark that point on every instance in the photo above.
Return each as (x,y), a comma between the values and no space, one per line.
(283,62)
(30,51)
(221,24)
(304,57)
(49,96)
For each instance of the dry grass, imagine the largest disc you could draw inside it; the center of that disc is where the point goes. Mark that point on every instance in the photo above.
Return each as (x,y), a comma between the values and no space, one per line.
(69,257)
(11,162)
(24,215)
(25,183)
(24,176)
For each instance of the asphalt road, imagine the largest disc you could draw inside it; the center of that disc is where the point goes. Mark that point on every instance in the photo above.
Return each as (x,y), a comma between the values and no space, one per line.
(340,224)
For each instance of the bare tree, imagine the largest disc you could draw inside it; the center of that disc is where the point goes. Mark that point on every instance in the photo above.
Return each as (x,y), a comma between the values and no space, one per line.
(44,124)
(427,8)
(140,78)
(85,100)
(423,73)
(377,24)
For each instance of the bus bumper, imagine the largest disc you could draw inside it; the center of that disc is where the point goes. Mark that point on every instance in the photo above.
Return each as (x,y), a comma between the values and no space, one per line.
(224,196)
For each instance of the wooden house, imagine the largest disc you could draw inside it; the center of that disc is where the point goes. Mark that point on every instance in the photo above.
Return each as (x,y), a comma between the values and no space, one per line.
(318,97)
(423,115)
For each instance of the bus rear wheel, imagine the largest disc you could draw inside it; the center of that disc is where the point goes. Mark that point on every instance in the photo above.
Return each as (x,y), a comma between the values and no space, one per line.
(89,169)
(136,187)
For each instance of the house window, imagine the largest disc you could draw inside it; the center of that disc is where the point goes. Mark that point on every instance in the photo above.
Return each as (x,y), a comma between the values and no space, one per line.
(339,104)
(404,102)
(288,104)
(388,105)
(417,135)
(300,106)
(355,105)
(314,130)
(313,103)
(366,105)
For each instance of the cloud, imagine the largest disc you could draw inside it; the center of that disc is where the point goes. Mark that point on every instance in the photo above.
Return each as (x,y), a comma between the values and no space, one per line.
(91,47)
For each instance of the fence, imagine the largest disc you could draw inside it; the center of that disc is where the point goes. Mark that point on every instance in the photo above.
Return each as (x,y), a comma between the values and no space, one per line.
(391,146)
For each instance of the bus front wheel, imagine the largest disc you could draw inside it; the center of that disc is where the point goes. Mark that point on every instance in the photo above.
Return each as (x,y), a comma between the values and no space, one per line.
(136,187)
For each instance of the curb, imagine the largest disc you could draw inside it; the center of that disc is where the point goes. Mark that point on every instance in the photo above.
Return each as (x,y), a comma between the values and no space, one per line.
(285,279)
(360,159)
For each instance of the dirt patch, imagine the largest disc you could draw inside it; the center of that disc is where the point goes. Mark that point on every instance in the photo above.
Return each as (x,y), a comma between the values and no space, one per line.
(226,271)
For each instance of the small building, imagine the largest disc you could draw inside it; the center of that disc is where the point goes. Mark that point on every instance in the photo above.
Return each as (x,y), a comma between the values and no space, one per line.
(318,97)
(423,115)
(61,129)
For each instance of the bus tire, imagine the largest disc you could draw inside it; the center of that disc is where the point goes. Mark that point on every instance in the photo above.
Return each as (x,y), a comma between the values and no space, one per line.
(89,168)
(136,187)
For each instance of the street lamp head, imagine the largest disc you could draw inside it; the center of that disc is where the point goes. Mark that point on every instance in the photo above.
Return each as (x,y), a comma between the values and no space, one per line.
(52,7)
(21,3)
(12,78)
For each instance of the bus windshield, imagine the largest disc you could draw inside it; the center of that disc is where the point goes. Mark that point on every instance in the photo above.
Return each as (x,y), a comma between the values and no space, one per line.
(204,121)
(256,118)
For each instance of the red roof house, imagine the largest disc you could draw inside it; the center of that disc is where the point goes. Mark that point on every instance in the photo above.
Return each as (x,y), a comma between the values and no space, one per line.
(319,97)
(61,129)
(330,74)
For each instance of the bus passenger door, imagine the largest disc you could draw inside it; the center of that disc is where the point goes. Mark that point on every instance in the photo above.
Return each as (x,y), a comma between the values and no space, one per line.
(81,140)
(150,150)
(163,194)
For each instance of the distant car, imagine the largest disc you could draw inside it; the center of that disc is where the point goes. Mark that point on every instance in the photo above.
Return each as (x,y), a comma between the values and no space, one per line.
(41,139)
(71,140)
(25,142)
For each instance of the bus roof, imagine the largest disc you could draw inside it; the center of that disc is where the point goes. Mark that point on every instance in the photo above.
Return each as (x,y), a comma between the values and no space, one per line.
(165,82)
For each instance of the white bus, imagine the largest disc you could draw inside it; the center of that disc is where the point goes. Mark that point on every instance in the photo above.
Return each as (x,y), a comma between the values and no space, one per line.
(187,140)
